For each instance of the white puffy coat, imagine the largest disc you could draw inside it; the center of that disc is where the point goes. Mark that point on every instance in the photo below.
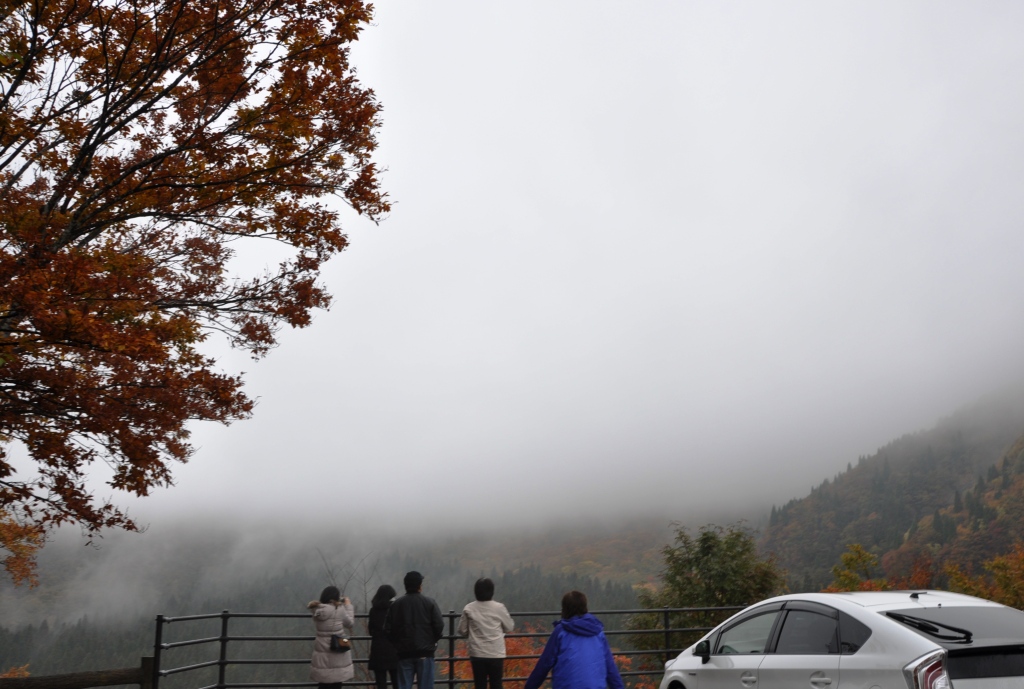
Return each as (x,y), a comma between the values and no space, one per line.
(329,666)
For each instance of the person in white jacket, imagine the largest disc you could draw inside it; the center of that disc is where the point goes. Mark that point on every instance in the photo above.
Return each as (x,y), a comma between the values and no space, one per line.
(485,622)
(332,614)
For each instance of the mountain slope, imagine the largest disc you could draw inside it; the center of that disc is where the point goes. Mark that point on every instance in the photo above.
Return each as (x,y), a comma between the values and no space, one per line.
(882,500)
(981,524)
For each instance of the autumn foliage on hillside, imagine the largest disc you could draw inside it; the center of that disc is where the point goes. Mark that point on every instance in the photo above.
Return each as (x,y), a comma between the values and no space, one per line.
(15,672)
(888,501)
(975,545)
(858,567)
(980,526)
(1003,583)
(145,147)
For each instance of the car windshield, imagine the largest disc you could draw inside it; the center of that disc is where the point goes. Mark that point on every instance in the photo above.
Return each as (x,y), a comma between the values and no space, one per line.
(981,623)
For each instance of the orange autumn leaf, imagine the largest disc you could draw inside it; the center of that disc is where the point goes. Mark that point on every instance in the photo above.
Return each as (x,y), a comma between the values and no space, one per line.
(21,542)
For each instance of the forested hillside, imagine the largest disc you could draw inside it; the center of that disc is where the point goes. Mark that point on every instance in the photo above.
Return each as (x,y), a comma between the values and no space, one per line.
(958,476)
(627,552)
(978,525)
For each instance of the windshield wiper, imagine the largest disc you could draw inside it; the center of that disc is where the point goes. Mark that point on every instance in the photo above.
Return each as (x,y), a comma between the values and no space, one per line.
(932,627)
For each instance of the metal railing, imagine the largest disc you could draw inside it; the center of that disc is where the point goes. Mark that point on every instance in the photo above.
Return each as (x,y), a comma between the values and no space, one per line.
(447,659)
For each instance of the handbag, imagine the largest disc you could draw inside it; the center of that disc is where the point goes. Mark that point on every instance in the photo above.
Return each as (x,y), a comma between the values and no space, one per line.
(339,644)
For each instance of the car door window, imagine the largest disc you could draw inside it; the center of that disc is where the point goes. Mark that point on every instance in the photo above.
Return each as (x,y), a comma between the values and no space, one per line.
(808,633)
(748,636)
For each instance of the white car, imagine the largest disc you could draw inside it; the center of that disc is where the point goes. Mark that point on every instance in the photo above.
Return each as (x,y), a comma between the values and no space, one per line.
(859,640)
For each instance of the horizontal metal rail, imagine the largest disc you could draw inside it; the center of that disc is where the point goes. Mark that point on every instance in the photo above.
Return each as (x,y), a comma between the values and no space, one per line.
(446,656)
(193,642)
(186,668)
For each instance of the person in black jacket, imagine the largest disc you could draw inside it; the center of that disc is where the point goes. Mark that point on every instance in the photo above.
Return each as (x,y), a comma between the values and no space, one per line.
(383,658)
(414,625)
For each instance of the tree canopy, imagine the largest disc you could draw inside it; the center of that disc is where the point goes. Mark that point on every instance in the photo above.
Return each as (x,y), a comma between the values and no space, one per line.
(854,573)
(717,567)
(1003,584)
(143,145)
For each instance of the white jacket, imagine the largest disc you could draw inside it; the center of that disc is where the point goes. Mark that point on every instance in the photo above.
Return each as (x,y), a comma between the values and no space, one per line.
(327,666)
(485,622)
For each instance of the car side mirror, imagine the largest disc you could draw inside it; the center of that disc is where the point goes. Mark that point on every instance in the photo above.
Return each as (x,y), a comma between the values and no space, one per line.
(703,649)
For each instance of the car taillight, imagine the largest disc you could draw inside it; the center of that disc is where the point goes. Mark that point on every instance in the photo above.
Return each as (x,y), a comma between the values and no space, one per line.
(928,672)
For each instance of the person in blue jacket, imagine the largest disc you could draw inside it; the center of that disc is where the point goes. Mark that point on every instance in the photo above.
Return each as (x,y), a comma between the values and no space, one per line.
(577,654)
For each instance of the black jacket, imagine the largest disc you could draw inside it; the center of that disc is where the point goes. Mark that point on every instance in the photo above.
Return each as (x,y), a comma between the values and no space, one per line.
(382,651)
(414,625)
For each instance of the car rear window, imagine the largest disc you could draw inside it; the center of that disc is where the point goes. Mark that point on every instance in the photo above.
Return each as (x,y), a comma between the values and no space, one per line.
(984,623)
(995,647)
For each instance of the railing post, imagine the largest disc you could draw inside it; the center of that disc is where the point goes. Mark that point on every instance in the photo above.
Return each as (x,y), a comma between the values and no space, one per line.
(451,649)
(222,664)
(667,635)
(159,640)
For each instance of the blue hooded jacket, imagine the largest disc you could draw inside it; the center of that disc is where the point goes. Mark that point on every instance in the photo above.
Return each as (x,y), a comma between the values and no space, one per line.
(577,656)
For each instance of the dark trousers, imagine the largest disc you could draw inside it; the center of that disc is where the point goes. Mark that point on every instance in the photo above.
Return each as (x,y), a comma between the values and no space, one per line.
(485,669)
(381,677)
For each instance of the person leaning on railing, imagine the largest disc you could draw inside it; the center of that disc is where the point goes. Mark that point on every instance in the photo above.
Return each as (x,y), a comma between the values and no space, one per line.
(414,625)
(485,622)
(577,653)
(383,660)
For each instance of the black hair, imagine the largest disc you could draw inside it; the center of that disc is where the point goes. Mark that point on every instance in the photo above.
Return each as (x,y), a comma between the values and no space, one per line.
(330,593)
(383,596)
(574,603)
(412,581)
(483,589)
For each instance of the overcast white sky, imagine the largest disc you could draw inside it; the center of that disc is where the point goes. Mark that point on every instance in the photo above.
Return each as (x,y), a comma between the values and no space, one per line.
(667,256)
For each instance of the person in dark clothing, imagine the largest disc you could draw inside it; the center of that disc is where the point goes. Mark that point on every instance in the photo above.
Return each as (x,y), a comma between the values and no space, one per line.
(577,654)
(383,657)
(414,625)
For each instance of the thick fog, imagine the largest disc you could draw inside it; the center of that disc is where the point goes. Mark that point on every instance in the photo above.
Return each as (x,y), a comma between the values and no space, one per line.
(684,259)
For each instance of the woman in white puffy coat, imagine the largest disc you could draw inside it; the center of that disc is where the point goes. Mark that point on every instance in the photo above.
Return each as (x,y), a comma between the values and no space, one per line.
(332,614)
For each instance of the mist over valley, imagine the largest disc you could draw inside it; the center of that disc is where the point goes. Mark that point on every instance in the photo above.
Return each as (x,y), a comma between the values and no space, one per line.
(185,566)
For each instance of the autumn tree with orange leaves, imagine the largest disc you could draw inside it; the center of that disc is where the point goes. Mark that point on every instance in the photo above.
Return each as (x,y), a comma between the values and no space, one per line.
(858,564)
(15,672)
(515,666)
(145,147)
(1004,582)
